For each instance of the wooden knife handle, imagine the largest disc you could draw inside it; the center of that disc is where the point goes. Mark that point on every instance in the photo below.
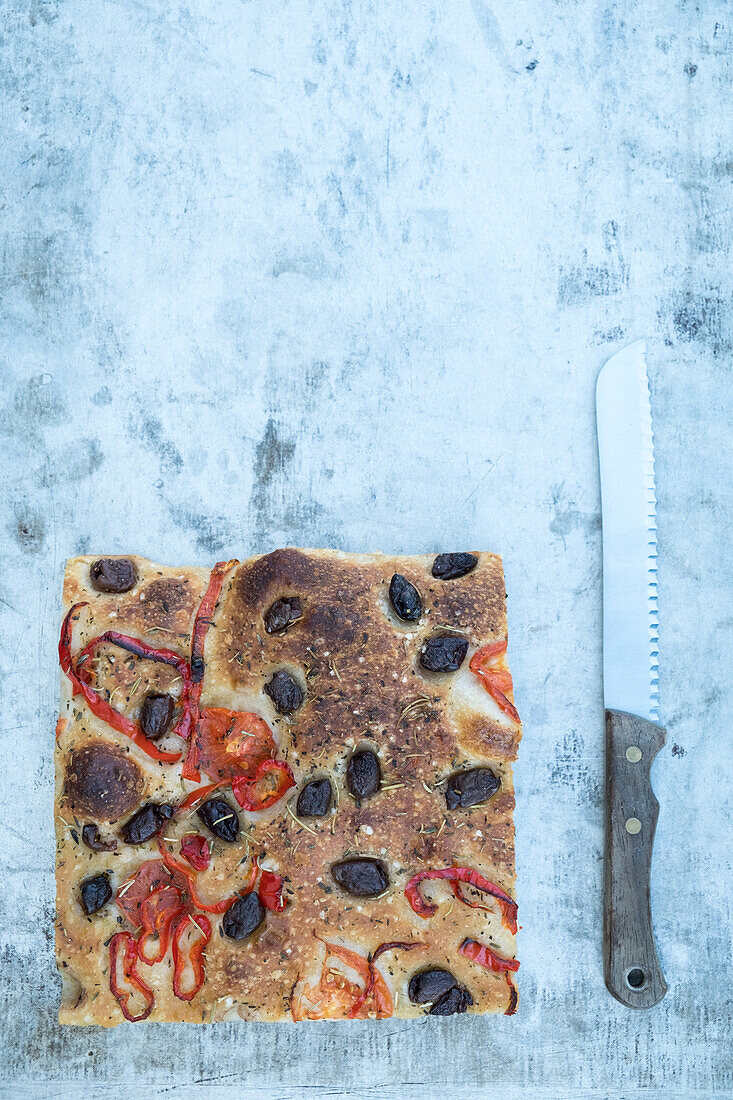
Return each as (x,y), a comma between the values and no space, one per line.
(632,971)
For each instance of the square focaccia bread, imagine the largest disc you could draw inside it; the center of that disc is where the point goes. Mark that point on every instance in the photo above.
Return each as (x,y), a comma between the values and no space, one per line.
(284,789)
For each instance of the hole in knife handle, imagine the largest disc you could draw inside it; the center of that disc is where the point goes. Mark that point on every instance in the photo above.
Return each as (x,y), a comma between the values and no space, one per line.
(636,979)
(633,754)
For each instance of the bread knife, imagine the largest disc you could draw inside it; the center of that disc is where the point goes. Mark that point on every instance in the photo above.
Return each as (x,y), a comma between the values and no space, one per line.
(630,674)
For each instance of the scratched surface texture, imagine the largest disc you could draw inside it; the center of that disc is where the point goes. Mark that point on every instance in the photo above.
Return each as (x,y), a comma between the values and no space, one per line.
(342,273)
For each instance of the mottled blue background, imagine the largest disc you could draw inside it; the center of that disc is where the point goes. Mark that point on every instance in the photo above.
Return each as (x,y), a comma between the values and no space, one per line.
(344,273)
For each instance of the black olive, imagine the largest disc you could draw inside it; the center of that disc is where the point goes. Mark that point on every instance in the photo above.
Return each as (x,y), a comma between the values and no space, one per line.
(428,985)
(315,799)
(282,614)
(362,876)
(455,1001)
(95,892)
(113,574)
(92,839)
(220,819)
(444,653)
(146,823)
(285,692)
(156,714)
(470,787)
(243,917)
(405,599)
(447,567)
(363,774)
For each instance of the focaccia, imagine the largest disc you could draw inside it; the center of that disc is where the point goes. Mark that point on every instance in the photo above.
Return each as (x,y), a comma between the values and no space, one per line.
(284,789)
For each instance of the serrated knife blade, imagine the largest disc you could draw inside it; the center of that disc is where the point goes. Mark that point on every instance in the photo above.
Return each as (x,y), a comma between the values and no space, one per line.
(630,674)
(629,506)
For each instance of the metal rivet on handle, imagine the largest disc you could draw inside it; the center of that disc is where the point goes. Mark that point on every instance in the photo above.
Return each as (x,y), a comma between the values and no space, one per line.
(636,979)
(633,825)
(633,754)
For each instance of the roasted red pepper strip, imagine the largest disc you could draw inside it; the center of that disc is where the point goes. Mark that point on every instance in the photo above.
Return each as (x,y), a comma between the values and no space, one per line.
(179,868)
(270,892)
(200,793)
(195,849)
(272,779)
(482,955)
(458,891)
(250,883)
(157,913)
(374,984)
(201,624)
(252,878)
(123,945)
(193,956)
(486,664)
(100,706)
(393,945)
(164,656)
(456,888)
(513,997)
(67,629)
(456,875)
(270,888)
(373,973)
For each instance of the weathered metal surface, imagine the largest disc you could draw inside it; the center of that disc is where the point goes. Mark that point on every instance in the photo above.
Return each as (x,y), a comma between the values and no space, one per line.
(344,273)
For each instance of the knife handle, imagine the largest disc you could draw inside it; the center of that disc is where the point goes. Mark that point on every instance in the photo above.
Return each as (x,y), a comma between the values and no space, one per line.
(632,971)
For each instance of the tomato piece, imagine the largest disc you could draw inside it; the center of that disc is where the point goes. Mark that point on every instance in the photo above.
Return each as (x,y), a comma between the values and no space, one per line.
(229,743)
(489,664)
(195,849)
(336,997)
(271,780)
(149,877)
